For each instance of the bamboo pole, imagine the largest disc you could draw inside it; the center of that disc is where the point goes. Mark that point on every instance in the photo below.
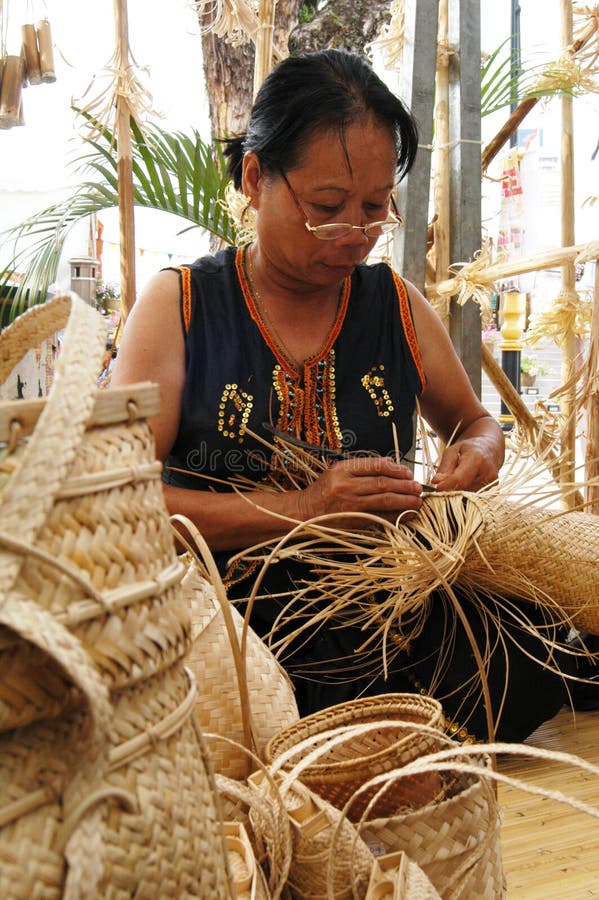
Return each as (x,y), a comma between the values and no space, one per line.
(522,414)
(124,163)
(441,155)
(592,409)
(568,397)
(548,259)
(264,42)
(506,131)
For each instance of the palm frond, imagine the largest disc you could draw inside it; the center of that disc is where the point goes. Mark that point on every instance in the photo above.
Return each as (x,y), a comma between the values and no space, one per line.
(505,80)
(175,172)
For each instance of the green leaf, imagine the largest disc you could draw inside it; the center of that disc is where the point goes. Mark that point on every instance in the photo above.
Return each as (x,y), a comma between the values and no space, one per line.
(173,172)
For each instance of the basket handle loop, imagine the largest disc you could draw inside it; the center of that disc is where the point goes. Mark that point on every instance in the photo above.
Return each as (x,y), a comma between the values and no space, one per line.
(219,589)
(28,496)
(39,627)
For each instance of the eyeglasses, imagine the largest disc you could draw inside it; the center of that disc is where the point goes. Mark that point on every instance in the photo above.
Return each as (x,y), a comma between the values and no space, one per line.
(334,230)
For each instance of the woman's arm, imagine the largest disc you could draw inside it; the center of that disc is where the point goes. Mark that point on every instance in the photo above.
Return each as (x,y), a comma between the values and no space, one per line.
(450,406)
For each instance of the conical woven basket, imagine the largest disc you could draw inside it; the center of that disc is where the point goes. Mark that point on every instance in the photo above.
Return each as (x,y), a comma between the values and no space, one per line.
(349,763)
(538,554)
(105,782)
(219,707)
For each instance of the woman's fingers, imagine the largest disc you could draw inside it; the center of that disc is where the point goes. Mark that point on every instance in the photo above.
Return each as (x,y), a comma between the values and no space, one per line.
(374,485)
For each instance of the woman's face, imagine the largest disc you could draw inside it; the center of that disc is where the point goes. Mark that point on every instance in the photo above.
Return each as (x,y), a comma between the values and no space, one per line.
(333,184)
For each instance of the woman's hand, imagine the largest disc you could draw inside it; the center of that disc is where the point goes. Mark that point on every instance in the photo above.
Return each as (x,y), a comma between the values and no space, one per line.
(468,465)
(371,484)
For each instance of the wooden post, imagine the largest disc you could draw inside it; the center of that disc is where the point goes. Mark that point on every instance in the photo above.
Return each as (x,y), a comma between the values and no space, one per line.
(416,88)
(124,164)
(465,163)
(441,154)
(568,398)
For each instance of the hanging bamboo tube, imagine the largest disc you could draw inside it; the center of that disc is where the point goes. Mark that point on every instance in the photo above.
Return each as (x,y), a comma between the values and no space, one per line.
(31,54)
(124,162)
(568,398)
(264,42)
(441,154)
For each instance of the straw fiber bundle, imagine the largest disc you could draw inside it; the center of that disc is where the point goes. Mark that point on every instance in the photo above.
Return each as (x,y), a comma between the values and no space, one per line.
(103,773)
(345,766)
(269,692)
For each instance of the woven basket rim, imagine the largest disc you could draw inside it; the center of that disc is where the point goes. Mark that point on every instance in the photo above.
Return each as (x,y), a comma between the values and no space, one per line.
(369,707)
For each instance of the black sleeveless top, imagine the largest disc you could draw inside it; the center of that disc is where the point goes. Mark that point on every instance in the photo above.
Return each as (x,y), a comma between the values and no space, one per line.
(365,377)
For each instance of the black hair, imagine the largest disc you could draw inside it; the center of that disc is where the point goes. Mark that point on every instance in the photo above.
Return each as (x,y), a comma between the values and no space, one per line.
(307,94)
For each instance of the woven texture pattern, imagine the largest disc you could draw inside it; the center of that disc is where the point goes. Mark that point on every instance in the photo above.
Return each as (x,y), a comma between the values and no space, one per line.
(455,841)
(328,856)
(271,697)
(349,764)
(104,777)
(530,552)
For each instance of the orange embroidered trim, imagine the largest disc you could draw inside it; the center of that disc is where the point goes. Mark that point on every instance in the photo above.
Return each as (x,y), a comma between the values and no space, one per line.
(254,313)
(185,296)
(306,411)
(405,312)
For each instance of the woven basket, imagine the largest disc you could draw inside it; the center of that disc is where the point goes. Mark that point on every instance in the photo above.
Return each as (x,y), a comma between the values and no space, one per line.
(347,764)
(455,840)
(104,777)
(530,552)
(397,877)
(248,879)
(272,704)
(329,859)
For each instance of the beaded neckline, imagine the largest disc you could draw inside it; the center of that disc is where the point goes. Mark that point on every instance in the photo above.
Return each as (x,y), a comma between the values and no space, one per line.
(252,298)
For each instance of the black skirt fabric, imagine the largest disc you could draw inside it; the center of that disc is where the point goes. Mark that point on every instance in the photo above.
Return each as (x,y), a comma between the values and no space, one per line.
(332,663)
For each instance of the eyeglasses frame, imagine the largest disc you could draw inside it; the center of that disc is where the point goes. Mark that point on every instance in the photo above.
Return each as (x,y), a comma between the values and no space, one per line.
(320,231)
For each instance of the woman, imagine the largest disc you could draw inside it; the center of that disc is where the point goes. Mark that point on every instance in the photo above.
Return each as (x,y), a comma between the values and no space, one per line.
(297,332)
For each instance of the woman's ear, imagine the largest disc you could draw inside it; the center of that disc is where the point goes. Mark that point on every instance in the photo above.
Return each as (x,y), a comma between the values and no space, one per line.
(251,178)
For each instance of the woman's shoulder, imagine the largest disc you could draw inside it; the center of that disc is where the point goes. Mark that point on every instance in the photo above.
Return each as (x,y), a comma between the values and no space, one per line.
(212,263)
(378,279)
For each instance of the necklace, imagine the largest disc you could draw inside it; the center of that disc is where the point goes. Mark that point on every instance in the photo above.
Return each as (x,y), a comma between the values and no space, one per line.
(282,347)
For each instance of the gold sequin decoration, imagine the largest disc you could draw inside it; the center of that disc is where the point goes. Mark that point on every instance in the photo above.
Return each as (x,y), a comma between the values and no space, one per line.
(233,412)
(374,383)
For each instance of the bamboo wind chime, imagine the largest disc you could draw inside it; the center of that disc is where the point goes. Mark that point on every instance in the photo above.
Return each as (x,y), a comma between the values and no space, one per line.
(33,65)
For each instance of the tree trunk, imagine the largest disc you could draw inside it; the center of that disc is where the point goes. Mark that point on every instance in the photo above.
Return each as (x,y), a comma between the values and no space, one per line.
(344,24)
(229,72)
